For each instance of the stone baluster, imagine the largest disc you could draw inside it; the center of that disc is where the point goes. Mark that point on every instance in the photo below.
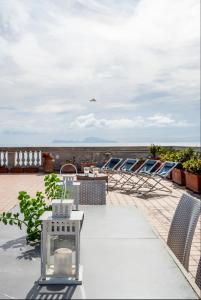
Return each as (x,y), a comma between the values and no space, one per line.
(17,159)
(31,155)
(5,158)
(28,162)
(11,159)
(38,158)
(35,158)
(1,158)
(24,160)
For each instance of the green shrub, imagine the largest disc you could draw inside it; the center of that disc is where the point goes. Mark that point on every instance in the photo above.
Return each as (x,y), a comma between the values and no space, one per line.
(31,209)
(193,166)
(179,156)
(184,155)
(169,155)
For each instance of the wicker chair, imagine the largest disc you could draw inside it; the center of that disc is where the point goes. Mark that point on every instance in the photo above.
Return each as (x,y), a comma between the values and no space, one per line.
(198,275)
(182,228)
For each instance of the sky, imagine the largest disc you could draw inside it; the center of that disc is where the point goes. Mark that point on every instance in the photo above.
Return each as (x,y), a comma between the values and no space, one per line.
(139,59)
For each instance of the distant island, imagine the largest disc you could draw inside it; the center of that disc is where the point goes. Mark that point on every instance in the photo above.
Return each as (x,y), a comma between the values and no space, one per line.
(86,140)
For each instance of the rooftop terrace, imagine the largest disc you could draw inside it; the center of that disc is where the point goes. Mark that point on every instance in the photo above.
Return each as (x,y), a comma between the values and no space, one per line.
(157,208)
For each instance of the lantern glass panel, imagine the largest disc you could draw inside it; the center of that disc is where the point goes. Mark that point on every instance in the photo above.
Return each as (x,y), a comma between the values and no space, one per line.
(61,255)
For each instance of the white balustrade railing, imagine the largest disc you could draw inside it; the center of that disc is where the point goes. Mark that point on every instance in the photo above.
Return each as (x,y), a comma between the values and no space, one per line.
(3,158)
(28,158)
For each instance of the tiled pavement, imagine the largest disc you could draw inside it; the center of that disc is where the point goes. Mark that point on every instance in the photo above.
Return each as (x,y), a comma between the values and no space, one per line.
(158,209)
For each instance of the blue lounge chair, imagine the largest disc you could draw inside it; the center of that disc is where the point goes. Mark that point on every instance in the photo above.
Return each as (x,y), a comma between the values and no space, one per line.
(125,168)
(147,167)
(112,164)
(152,182)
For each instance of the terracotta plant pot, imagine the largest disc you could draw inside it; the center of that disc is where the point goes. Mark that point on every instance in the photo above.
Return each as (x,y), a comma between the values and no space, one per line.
(48,165)
(193,182)
(178,176)
(3,169)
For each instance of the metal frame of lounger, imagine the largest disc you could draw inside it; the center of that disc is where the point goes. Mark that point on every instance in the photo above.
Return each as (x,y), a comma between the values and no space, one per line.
(138,174)
(152,182)
(123,171)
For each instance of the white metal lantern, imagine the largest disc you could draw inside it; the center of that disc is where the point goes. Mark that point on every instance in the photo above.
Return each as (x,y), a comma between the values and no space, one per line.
(60,245)
(73,187)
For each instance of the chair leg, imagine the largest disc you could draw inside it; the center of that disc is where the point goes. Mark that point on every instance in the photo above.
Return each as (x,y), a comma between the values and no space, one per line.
(121,181)
(139,183)
(129,179)
(154,187)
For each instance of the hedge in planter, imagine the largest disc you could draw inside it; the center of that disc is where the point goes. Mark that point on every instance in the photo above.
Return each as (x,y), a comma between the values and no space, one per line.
(193,174)
(178,175)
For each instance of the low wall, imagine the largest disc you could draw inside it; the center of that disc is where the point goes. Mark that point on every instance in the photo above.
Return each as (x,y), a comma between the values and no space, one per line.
(83,154)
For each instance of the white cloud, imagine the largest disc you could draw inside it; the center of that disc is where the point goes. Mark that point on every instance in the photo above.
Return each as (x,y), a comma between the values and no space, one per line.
(161,119)
(158,120)
(57,107)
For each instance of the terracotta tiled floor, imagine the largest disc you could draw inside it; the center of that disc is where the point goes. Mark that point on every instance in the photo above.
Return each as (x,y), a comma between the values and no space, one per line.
(158,209)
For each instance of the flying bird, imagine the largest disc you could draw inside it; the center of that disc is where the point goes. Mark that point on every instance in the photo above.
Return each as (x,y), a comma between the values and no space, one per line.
(92,100)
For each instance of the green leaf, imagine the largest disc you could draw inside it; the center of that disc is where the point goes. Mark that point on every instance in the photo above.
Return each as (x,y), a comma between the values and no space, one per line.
(8,215)
(19,224)
(5,221)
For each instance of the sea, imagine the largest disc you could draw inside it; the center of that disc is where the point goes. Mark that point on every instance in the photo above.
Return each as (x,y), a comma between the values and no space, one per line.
(187,144)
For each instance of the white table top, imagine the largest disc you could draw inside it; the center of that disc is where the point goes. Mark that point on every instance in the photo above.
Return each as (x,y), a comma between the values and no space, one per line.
(121,256)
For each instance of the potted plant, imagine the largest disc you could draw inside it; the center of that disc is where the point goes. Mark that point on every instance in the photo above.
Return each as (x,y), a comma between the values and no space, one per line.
(154,150)
(48,162)
(193,174)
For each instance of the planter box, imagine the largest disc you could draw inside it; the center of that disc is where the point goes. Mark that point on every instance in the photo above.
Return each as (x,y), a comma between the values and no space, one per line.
(3,169)
(30,170)
(16,170)
(178,176)
(169,176)
(193,182)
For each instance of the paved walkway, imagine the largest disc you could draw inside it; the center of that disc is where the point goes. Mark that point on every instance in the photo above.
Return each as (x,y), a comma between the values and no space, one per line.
(158,209)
